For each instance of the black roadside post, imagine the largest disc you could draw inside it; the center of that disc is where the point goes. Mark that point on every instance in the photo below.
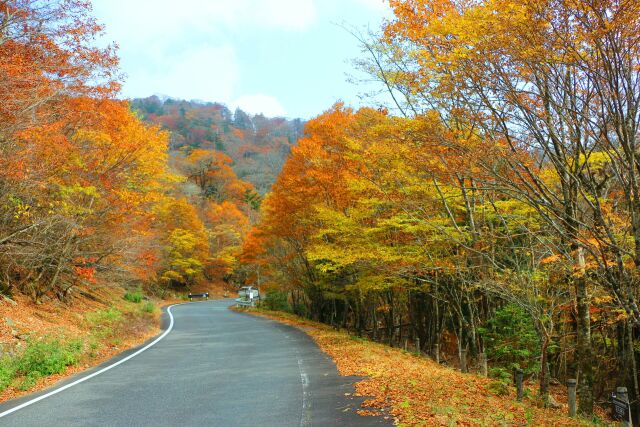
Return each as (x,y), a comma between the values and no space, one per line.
(571,393)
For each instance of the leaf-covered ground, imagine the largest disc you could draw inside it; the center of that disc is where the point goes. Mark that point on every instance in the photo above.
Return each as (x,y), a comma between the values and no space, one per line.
(417,391)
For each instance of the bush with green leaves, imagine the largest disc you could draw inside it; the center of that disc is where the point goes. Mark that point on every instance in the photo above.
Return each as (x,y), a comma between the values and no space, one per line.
(48,356)
(498,388)
(104,317)
(39,359)
(300,310)
(276,300)
(133,296)
(501,374)
(511,340)
(102,321)
(7,371)
(148,307)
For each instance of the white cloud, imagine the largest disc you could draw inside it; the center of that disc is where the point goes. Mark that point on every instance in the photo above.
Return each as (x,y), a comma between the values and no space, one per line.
(217,50)
(378,5)
(260,103)
(207,72)
(164,19)
(186,48)
(287,14)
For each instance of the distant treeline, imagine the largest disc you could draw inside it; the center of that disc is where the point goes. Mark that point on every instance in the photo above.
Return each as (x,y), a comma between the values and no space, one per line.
(258,145)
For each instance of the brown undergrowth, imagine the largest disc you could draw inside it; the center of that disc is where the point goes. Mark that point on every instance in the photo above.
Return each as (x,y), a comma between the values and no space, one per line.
(417,391)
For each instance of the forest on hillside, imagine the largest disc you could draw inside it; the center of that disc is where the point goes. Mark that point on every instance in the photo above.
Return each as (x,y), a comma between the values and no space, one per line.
(257,145)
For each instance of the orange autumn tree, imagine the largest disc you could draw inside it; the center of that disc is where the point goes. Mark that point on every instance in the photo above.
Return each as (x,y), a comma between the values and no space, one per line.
(315,172)
(79,173)
(46,57)
(86,193)
(211,171)
(48,66)
(331,216)
(225,203)
(228,226)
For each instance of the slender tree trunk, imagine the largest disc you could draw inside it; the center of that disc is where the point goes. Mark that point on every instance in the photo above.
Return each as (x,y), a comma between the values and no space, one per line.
(472,325)
(375,322)
(390,319)
(584,352)
(634,369)
(544,372)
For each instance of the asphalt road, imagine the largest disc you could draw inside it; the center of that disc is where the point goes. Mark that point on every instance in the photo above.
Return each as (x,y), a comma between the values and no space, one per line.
(215,367)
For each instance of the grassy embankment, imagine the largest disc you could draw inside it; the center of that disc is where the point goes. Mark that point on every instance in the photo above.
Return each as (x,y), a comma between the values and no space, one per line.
(42,343)
(417,391)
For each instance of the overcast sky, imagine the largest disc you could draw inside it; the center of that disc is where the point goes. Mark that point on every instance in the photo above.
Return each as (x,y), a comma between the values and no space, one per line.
(279,57)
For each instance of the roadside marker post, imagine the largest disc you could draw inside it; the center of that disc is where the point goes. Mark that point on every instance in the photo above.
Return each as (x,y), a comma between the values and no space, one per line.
(571,393)
(519,385)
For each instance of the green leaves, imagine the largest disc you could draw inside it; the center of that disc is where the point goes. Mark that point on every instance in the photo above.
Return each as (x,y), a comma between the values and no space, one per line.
(511,339)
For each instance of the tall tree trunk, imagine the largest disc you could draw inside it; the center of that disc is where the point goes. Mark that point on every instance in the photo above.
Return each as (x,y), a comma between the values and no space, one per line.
(374,317)
(544,372)
(584,352)
(633,367)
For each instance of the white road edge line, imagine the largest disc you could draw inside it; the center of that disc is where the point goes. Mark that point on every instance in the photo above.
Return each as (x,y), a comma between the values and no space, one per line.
(101,371)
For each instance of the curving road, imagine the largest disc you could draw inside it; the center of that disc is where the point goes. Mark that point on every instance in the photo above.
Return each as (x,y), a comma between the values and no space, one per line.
(214,367)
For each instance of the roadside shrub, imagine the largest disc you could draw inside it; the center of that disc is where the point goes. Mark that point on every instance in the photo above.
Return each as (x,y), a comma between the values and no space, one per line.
(94,344)
(7,372)
(29,381)
(501,374)
(102,321)
(148,307)
(40,359)
(277,301)
(134,296)
(301,310)
(102,317)
(498,388)
(47,357)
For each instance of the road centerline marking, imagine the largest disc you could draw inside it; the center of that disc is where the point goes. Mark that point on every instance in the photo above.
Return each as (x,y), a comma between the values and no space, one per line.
(306,404)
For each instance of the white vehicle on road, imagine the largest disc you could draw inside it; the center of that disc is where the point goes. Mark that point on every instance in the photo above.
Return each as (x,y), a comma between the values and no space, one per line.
(248,295)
